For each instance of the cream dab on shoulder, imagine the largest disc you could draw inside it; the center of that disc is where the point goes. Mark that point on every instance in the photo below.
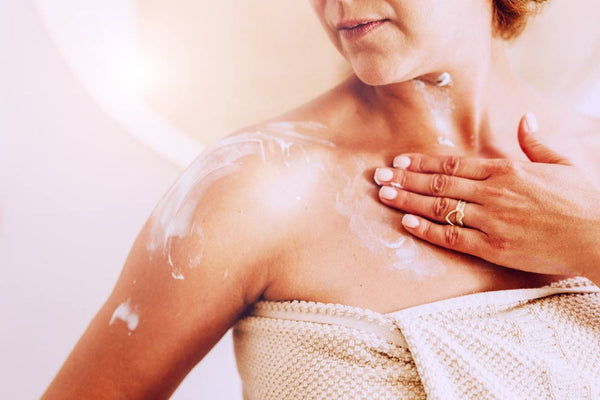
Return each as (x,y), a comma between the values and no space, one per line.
(174,219)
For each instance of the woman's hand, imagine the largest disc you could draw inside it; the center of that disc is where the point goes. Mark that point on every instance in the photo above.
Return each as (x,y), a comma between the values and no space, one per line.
(541,216)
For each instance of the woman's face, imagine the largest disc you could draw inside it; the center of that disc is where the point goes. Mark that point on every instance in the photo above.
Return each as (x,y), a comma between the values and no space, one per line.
(388,41)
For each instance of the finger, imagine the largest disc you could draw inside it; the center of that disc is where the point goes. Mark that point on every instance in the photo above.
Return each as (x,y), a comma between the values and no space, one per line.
(533,147)
(465,167)
(432,208)
(438,185)
(463,240)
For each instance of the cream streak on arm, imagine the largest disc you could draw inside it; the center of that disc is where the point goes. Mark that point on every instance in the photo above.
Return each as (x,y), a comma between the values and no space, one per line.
(222,214)
(125,312)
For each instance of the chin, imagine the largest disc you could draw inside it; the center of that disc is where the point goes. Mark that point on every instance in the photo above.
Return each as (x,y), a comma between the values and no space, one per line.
(380,74)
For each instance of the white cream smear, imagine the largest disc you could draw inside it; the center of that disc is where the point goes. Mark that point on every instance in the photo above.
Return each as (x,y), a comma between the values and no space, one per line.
(440,107)
(444,79)
(381,236)
(179,215)
(125,312)
(175,216)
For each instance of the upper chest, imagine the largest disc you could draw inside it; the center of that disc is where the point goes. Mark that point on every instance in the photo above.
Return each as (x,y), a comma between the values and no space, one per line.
(349,248)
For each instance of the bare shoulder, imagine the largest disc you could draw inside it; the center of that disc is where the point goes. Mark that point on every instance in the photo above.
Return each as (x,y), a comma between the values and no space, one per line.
(586,132)
(199,261)
(239,192)
(569,129)
(335,109)
(587,140)
(591,132)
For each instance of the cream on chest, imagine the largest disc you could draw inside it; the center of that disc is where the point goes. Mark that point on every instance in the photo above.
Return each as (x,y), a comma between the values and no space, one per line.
(352,249)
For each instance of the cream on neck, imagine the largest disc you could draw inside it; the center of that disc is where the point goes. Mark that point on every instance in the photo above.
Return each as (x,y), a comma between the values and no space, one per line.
(456,105)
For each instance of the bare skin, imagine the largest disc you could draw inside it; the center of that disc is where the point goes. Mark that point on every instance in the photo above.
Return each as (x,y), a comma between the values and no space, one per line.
(367,283)
(306,223)
(539,216)
(276,247)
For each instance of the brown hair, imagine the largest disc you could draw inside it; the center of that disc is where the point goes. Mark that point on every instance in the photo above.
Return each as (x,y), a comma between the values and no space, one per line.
(510,16)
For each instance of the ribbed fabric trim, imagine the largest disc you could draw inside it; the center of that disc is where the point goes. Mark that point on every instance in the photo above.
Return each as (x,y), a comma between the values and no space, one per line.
(333,314)
(496,300)
(384,324)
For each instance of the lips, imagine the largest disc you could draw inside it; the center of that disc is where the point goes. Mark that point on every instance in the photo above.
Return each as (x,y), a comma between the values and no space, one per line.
(352,30)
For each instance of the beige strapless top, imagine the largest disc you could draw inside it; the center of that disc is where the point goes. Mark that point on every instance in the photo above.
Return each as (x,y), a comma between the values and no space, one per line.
(541,343)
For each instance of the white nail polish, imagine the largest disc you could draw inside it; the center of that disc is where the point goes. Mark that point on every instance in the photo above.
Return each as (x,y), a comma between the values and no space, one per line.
(410,221)
(388,193)
(531,122)
(401,162)
(383,175)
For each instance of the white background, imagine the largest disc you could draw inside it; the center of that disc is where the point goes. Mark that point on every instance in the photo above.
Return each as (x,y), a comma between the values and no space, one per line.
(75,188)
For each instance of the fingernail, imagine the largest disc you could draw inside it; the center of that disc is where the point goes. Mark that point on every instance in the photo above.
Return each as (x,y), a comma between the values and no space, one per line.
(401,162)
(388,193)
(410,221)
(383,175)
(531,123)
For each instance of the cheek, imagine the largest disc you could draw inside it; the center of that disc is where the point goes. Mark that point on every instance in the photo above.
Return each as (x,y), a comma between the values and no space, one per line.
(320,8)
(323,10)
(318,5)
(428,24)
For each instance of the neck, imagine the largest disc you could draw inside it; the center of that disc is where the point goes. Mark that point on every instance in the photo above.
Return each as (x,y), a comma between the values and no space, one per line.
(462,113)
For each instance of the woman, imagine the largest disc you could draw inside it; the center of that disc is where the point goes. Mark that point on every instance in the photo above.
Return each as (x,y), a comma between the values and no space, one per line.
(288,210)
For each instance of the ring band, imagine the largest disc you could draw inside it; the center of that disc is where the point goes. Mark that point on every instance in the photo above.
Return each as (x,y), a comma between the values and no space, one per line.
(459,213)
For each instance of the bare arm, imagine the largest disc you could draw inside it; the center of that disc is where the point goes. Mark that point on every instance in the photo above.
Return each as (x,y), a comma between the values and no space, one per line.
(198,262)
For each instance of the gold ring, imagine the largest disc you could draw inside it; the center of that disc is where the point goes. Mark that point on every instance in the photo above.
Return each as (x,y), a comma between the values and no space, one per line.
(459,213)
